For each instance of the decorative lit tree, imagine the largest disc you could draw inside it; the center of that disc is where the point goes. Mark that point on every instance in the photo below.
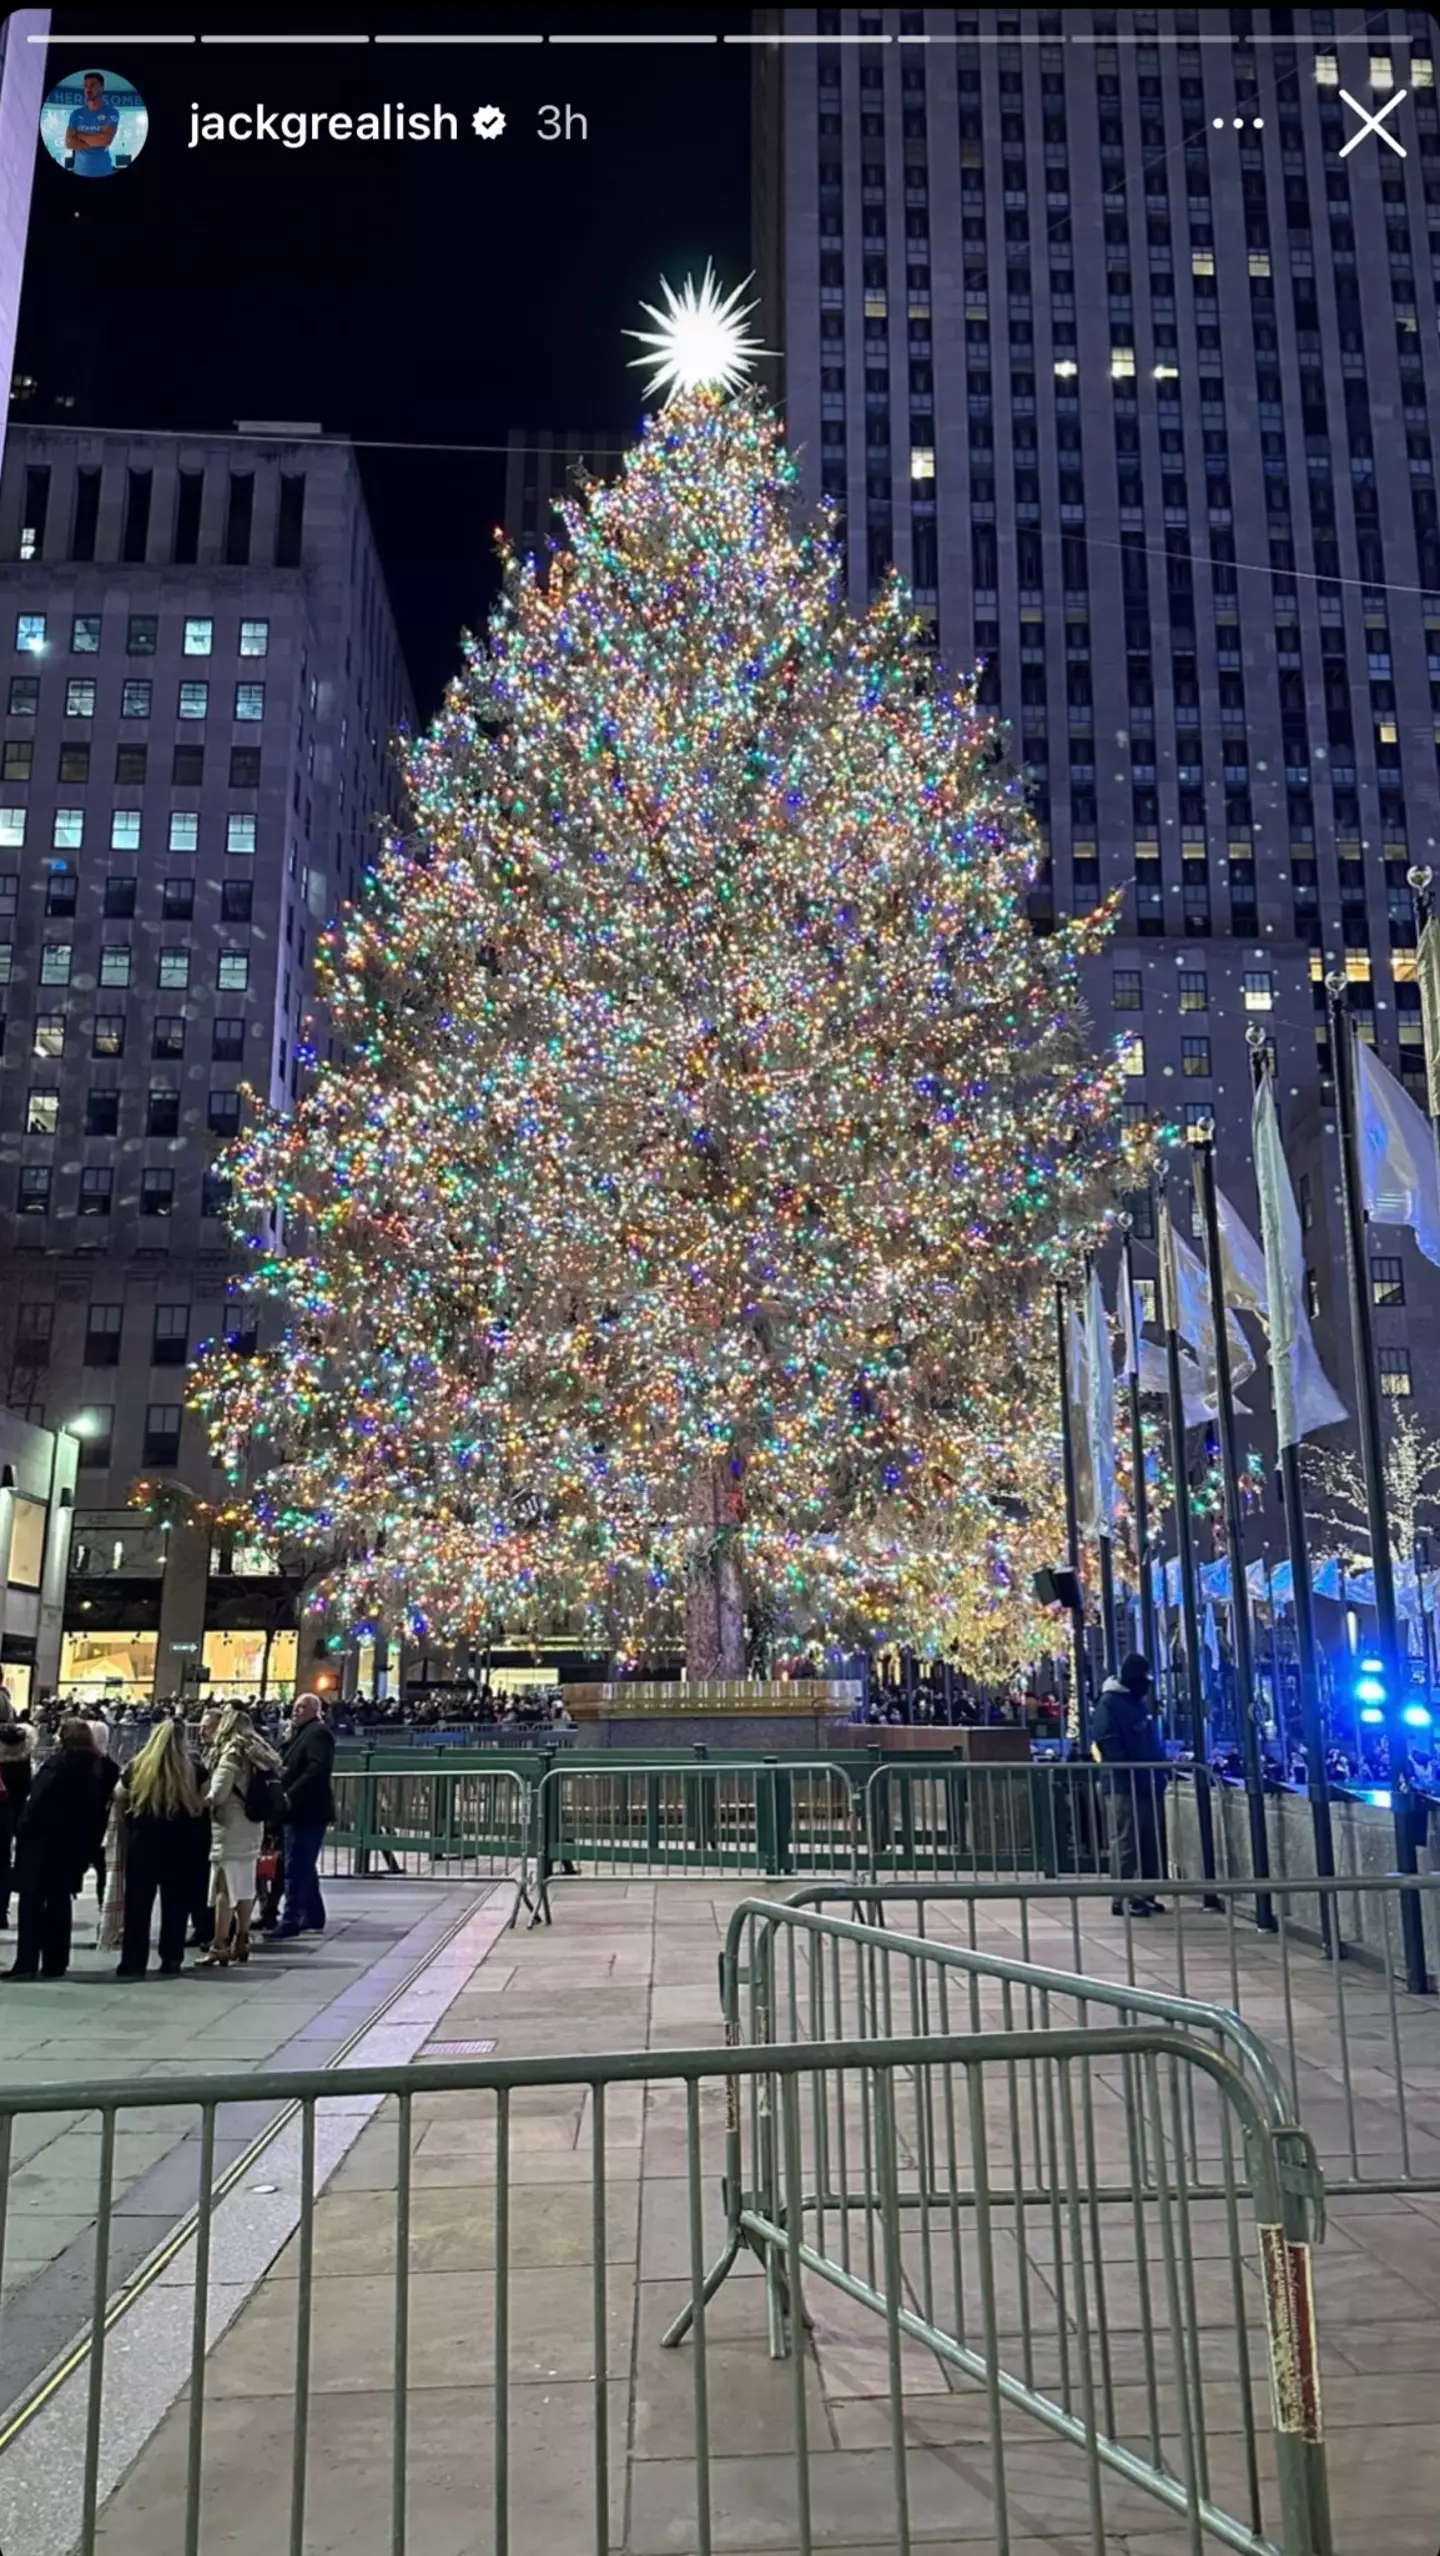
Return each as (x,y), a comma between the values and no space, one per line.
(709,1119)
(1338,1505)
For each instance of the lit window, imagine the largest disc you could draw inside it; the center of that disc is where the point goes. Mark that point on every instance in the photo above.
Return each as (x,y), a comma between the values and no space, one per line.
(1122,364)
(55,963)
(1382,73)
(30,633)
(1259,261)
(49,1034)
(1195,1058)
(199,638)
(1422,73)
(1202,261)
(1194,992)
(250,697)
(125,830)
(24,696)
(232,973)
(42,1113)
(1132,1053)
(1395,1378)
(12,825)
(922,462)
(135,698)
(85,634)
(19,759)
(115,966)
(1387,732)
(80,697)
(1327,71)
(239,833)
(1066,370)
(1357,966)
(254,638)
(108,1036)
(194,700)
(1387,1282)
(184,830)
(1259,987)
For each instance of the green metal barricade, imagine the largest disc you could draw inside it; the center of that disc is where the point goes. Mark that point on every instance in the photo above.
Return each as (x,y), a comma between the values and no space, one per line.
(695,1822)
(458,1823)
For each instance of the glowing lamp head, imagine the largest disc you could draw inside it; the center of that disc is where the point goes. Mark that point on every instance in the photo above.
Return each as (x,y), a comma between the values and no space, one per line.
(701,340)
(1371,1713)
(1417,1717)
(1369,1690)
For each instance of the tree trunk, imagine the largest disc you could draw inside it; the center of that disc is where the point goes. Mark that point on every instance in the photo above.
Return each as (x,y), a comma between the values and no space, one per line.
(715,1604)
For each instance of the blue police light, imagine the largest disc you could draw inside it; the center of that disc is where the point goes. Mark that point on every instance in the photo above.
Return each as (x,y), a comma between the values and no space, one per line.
(1369,1690)
(1417,1717)
(1371,1713)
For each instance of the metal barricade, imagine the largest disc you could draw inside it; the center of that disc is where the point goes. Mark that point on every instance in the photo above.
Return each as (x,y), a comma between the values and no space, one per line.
(697,1822)
(395,2337)
(961,1821)
(1324,1981)
(455,1823)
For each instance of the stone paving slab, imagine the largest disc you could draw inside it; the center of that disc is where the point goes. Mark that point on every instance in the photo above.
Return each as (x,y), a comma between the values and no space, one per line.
(635,1967)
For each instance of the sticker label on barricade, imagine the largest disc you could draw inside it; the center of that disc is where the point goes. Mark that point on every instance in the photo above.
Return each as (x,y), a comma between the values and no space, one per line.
(1290,2322)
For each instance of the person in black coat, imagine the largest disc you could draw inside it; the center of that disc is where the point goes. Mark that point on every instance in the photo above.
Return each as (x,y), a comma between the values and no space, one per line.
(166,1826)
(16,1774)
(306,1769)
(1125,1735)
(61,1832)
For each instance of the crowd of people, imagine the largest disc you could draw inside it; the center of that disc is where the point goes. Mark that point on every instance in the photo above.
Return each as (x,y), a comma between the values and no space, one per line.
(209,1821)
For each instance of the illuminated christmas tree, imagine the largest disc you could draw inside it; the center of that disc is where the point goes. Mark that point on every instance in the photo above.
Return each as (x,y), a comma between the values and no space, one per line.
(667,1241)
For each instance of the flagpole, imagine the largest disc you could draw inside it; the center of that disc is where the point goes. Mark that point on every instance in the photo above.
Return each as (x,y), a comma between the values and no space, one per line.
(1343,1036)
(1141,1493)
(1203,1147)
(1102,1407)
(1079,1663)
(1185,1549)
(1297,1542)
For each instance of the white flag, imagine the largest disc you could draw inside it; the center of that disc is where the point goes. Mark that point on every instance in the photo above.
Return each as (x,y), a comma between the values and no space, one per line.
(1304,1399)
(1100,1407)
(1129,1324)
(1427,968)
(1399,1173)
(1242,1262)
(1155,1379)
(1194,1320)
(1077,1347)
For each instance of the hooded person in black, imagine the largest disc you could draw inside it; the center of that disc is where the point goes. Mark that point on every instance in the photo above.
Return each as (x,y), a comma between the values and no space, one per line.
(16,1773)
(61,1831)
(1125,1735)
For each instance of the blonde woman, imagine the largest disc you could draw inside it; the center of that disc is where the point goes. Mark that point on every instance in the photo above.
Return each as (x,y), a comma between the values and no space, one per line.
(240,1761)
(160,1811)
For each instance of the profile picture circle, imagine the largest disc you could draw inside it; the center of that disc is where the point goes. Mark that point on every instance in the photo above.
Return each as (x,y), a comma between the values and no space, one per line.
(94,123)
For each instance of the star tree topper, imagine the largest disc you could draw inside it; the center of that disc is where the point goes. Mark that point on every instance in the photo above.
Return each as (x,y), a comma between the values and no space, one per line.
(702,341)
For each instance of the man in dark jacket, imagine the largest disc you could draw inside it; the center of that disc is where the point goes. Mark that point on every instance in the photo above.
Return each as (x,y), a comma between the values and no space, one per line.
(15,1777)
(61,1832)
(305,1772)
(1124,1735)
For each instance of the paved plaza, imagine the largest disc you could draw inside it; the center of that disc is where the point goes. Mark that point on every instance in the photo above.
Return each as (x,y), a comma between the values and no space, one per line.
(630,1967)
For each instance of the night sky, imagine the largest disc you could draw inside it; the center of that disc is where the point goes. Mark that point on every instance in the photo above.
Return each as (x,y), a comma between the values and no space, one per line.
(420,293)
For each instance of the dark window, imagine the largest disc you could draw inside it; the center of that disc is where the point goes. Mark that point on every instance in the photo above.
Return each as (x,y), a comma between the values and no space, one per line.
(1387,1281)
(95,1429)
(236,899)
(87,514)
(102,1335)
(102,1113)
(74,763)
(189,766)
(141,632)
(119,900)
(108,1036)
(177,902)
(244,767)
(228,1044)
(19,760)
(24,696)
(290,522)
(171,1344)
(33,1326)
(214,1194)
(187,517)
(37,506)
(169,1037)
(224,1114)
(60,889)
(34,1197)
(162,1115)
(157,1191)
(139,485)
(162,1433)
(130,763)
(239,514)
(97,1183)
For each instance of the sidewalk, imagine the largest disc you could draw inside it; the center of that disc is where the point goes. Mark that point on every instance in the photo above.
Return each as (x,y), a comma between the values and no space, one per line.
(635,1966)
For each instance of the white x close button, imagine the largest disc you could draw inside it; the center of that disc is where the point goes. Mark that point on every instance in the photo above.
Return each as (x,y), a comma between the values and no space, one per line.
(1373,123)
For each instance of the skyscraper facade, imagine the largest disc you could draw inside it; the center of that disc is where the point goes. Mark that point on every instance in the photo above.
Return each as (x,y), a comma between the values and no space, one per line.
(22,89)
(200,680)
(1108,331)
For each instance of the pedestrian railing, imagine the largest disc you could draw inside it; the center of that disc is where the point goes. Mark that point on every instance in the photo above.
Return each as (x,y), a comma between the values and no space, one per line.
(961,1821)
(1324,1980)
(413,2367)
(696,1822)
(460,1823)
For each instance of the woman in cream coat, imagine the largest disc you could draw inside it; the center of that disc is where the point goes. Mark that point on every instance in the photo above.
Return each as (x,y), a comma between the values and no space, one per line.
(235,1837)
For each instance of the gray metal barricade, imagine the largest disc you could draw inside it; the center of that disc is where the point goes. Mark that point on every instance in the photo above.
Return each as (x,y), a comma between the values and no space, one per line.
(498,2356)
(1324,1982)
